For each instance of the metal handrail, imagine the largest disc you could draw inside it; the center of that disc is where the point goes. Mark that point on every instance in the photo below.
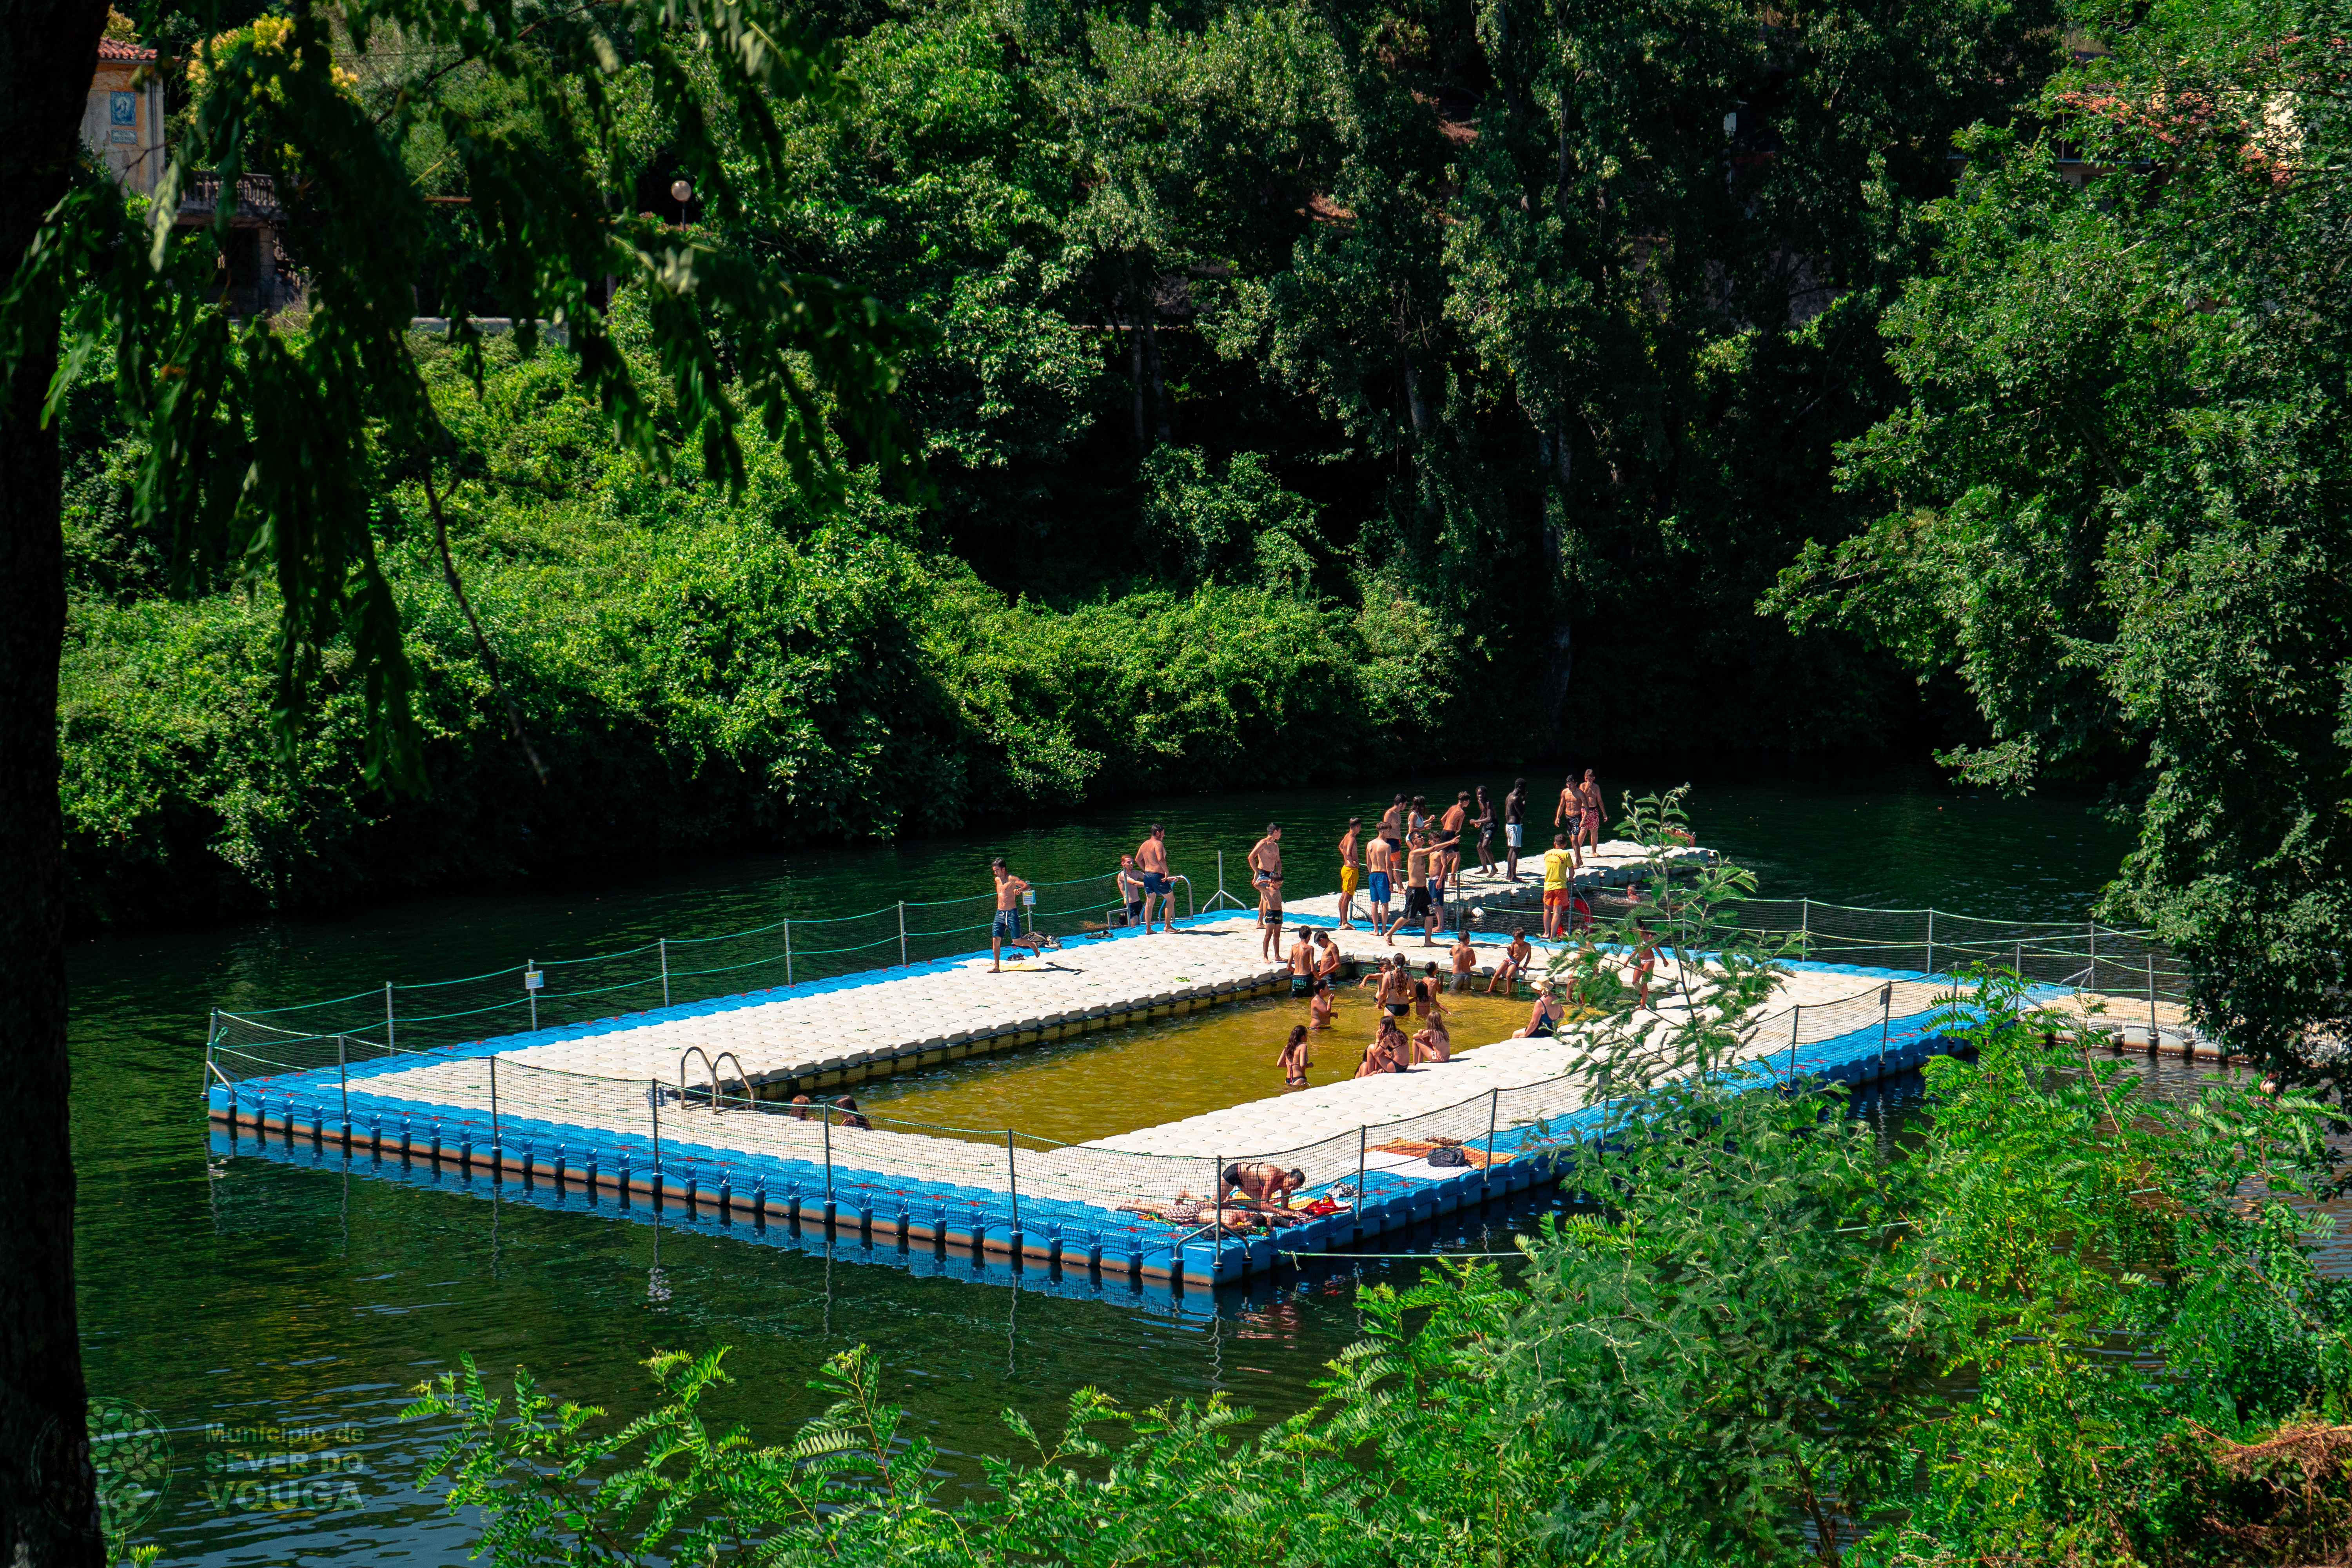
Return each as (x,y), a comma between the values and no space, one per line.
(743,1076)
(698,1051)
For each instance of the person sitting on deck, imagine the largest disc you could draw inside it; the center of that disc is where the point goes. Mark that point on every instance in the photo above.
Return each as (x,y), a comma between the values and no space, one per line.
(1514,964)
(1432,1044)
(1544,1019)
(1261,1184)
(851,1117)
(1388,1052)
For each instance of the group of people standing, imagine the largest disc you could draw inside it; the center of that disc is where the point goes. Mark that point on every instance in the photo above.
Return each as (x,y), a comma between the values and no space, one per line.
(1427,847)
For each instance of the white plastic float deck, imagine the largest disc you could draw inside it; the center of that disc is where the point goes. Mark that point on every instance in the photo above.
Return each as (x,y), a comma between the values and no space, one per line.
(596,1106)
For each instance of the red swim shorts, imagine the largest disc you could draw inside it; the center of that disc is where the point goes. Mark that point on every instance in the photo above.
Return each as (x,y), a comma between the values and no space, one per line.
(1556,898)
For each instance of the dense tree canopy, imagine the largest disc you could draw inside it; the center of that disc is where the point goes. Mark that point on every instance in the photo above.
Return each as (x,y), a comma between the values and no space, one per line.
(2116,502)
(1439,374)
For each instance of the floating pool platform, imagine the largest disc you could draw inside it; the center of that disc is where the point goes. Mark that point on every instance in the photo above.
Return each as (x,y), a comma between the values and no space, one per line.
(640,1115)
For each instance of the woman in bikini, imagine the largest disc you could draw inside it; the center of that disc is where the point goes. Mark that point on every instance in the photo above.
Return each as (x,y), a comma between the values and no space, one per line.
(1293,1060)
(1432,1044)
(1544,1019)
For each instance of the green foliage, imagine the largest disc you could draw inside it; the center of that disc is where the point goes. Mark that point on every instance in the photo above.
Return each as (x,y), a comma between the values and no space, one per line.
(2115,505)
(2069,1322)
(261,449)
(695,665)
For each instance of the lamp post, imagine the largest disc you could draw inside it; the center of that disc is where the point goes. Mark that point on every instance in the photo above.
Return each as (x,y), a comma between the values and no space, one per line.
(681,192)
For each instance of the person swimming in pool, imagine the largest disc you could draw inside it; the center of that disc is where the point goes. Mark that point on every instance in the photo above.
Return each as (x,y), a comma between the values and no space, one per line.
(1293,1060)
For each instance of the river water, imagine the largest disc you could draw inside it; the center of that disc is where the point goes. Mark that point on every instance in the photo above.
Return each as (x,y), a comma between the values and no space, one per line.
(274,1318)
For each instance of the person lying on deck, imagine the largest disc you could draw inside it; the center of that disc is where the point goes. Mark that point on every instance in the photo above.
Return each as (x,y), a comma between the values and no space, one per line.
(1190,1209)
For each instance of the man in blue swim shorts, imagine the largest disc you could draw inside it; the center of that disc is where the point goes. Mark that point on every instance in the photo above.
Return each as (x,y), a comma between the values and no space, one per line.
(1379,858)
(1151,855)
(1007,924)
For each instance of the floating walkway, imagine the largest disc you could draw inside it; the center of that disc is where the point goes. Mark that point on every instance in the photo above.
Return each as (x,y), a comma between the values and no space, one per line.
(522,1108)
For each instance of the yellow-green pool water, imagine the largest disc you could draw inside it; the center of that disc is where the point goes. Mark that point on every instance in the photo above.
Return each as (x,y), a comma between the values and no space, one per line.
(1115,1081)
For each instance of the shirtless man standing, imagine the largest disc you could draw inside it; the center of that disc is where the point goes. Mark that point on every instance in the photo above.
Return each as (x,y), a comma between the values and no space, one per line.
(1450,827)
(1591,791)
(1417,891)
(1379,868)
(1265,870)
(1327,956)
(1466,960)
(1392,825)
(1151,856)
(1568,815)
(1515,822)
(1302,967)
(1349,871)
(1006,927)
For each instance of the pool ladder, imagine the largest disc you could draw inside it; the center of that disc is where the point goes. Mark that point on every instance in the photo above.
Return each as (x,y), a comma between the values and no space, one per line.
(741,1076)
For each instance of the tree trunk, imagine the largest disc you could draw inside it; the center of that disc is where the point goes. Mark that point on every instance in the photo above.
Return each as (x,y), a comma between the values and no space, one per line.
(48,1514)
(1142,387)
(1150,330)
(1561,663)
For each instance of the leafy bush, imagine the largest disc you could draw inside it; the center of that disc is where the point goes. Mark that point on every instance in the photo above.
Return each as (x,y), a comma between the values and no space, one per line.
(2075,1324)
(694,667)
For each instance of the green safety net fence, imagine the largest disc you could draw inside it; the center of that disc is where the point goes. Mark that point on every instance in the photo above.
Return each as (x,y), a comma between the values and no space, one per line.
(536,992)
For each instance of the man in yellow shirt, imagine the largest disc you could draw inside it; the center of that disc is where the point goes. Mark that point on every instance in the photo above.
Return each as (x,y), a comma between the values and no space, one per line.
(1558,861)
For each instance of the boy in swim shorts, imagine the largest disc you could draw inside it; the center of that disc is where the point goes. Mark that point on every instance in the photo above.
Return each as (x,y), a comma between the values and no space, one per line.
(1378,858)
(1348,872)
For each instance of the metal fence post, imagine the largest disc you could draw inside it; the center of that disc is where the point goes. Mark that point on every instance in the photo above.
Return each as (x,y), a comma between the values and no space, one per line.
(1362,1135)
(1931,942)
(2021,958)
(1805,926)
(531,966)
(828,1153)
(494,1113)
(902,933)
(662,943)
(788,950)
(1217,1238)
(653,1099)
(343,1086)
(387,1015)
(1795,1013)
(1494,1114)
(2151,999)
(1013,1176)
(1886,1023)
(2093,972)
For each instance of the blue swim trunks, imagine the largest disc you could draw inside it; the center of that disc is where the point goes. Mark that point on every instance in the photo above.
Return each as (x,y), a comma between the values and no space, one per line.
(1007,927)
(1379,887)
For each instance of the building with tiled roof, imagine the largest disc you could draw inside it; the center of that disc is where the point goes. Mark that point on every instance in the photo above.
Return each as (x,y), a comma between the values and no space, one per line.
(123,121)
